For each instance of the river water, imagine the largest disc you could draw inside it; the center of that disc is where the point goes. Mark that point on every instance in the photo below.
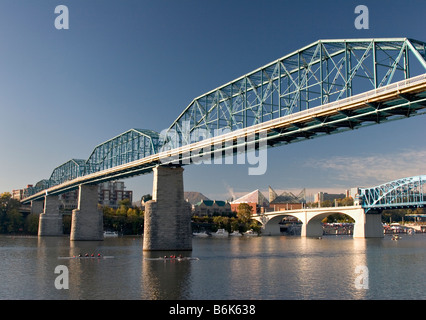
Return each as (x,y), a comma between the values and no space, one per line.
(260,268)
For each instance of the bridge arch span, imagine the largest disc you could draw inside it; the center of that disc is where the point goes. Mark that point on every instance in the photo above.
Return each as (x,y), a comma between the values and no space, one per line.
(312,226)
(365,225)
(271,224)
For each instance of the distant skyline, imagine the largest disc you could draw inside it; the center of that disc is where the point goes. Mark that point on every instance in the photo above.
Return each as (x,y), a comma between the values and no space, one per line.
(138,64)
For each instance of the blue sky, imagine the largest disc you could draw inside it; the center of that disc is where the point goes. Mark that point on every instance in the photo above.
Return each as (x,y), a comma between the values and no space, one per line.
(138,64)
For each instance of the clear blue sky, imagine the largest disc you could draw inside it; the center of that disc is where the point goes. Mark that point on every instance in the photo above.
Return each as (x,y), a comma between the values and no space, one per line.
(137,64)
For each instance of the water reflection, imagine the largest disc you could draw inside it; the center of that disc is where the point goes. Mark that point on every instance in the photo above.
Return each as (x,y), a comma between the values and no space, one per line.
(245,269)
(234,268)
(277,267)
(165,279)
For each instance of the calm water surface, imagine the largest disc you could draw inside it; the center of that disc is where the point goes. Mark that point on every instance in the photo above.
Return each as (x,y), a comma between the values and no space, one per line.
(234,268)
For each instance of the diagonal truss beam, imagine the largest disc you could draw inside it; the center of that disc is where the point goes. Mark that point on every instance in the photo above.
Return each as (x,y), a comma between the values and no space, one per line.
(320,73)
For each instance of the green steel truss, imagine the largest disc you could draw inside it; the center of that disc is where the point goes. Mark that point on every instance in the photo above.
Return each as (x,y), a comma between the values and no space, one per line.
(401,193)
(70,170)
(131,145)
(322,72)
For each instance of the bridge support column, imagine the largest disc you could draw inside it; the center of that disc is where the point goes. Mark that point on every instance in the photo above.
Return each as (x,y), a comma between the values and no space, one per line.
(167,224)
(37,206)
(50,221)
(87,219)
(312,228)
(369,225)
(271,229)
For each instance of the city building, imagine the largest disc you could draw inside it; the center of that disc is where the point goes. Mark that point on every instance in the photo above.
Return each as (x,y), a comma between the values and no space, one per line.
(69,200)
(194,197)
(19,194)
(112,192)
(255,199)
(324,196)
(211,208)
(286,200)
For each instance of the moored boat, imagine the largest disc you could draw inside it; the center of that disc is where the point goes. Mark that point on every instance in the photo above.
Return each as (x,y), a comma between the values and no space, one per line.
(250,233)
(110,234)
(221,233)
(202,234)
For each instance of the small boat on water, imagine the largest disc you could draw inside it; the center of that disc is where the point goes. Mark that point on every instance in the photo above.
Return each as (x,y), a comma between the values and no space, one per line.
(202,234)
(235,233)
(250,233)
(396,237)
(86,256)
(172,259)
(110,234)
(220,233)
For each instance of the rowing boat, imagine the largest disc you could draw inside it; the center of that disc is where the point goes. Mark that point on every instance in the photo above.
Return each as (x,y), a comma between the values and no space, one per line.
(171,259)
(84,257)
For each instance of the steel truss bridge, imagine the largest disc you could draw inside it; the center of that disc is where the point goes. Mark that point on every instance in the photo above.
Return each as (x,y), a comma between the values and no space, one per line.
(401,193)
(327,87)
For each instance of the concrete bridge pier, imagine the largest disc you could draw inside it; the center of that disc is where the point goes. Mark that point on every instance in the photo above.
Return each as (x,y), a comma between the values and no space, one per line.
(167,224)
(37,206)
(87,219)
(369,225)
(272,228)
(50,221)
(312,229)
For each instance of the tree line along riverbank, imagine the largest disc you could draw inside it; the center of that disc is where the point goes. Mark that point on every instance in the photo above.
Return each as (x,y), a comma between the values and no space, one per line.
(129,220)
(126,219)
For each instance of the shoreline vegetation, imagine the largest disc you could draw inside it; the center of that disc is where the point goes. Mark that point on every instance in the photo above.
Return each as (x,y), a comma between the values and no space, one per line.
(129,220)
(126,219)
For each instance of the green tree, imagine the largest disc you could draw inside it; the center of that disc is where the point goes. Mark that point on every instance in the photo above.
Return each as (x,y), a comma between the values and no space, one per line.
(15,221)
(348,201)
(125,205)
(125,219)
(31,223)
(235,224)
(222,222)
(244,212)
(11,219)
